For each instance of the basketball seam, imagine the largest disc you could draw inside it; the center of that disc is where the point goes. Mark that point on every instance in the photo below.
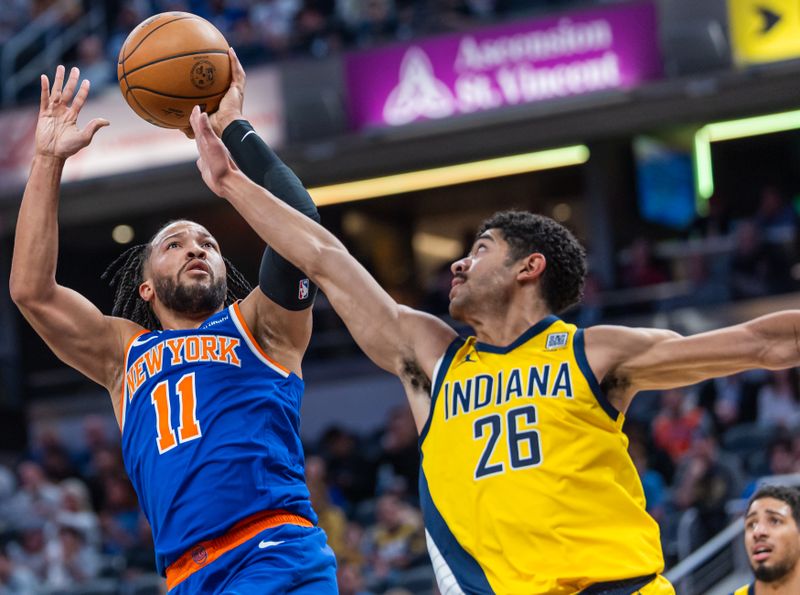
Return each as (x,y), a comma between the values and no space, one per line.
(176,96)
(147,111)
(142,40)
(127,72)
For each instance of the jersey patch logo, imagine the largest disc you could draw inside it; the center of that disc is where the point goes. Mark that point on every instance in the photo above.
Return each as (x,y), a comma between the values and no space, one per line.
(302,289)
(556,341)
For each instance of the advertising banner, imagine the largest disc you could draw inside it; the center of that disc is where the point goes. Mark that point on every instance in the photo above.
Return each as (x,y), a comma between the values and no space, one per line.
(764,30)
(130,144)
(613,47)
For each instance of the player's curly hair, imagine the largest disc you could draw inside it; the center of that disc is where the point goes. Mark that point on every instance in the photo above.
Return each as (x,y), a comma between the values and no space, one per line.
(126,274)
(526,233)
(789,495)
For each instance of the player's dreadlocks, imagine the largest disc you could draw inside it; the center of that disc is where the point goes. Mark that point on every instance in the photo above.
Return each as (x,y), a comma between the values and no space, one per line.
(126,273)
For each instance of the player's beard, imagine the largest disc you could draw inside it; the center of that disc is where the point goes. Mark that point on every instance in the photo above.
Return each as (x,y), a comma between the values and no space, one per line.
(770,574)
(192,298)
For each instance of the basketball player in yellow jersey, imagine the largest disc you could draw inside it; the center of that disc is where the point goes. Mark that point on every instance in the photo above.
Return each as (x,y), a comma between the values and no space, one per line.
(772,540)
(526,483)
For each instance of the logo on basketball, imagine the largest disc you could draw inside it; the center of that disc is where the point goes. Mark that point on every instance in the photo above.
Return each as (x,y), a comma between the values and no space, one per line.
(199,555)
(203,74)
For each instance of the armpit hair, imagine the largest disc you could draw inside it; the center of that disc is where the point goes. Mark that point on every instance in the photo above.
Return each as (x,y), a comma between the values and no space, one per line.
(614,383)
(413,376)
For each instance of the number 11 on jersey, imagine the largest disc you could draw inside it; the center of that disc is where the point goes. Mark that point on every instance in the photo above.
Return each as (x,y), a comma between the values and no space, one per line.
(189,428)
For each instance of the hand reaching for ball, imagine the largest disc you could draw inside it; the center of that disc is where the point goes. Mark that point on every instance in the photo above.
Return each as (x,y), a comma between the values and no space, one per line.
(215,163)
(57,132)
(230,107)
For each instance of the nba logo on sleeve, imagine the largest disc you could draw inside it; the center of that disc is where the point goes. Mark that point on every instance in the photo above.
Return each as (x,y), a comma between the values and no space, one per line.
(302,289)
(556,341)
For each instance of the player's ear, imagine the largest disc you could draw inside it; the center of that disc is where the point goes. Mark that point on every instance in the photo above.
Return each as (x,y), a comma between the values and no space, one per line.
(531,267)
(146,290)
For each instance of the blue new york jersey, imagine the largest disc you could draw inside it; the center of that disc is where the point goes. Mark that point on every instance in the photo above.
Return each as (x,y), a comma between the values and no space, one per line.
(210,432)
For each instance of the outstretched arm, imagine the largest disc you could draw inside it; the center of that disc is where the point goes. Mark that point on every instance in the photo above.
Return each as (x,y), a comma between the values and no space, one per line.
(401,340)
(72,326)
(279,311)
(631,360)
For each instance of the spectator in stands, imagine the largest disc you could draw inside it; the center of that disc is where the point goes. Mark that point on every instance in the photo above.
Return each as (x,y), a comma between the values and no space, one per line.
(395,543)
(331,517)
(50,452)
(643,269)
(92,61)
(775,217)
(716,224)
(676,423)
(398,464)
(351,580)
(350,474)
(273,20)
(37,497)
(757,268)
(780,461)
(71,560)
(722,398)
(779,400)
(772,540)
(76,511)
(15,579)
(30,551)
(655,490)
(705,480)
(95,438)
(119,519)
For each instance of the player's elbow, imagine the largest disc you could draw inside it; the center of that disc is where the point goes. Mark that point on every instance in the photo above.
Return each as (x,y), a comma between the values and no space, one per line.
(25,293)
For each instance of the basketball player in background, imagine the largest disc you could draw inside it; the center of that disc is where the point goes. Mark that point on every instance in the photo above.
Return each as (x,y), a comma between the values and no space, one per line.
(526,484)
(206,388)
(772,541)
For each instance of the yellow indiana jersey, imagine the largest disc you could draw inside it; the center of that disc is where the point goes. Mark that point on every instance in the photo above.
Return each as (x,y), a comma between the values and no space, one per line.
(526,483)
(745,590)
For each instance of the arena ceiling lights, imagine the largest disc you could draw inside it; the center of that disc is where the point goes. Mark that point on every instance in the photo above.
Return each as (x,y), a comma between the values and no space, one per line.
(449,175)
(730,130)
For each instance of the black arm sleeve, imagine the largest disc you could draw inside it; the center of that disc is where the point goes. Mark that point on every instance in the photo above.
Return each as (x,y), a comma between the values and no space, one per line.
(279,279)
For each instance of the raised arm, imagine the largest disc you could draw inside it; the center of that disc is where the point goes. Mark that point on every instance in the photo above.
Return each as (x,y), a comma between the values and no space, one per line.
(631,360)
(401,340)
(77,332)
(279,310)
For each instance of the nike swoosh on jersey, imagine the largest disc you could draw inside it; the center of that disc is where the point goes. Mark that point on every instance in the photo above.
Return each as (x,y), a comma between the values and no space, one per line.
(246,134)
(138,342)
(264,544)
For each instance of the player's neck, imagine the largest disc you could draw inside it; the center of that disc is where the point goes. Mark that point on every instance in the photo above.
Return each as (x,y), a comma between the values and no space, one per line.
(789,585)
(503,328)
(180,321)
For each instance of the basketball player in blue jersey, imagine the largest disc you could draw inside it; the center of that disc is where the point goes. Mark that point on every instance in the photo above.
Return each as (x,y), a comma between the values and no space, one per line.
(772,541)
(206,387)
(525,482)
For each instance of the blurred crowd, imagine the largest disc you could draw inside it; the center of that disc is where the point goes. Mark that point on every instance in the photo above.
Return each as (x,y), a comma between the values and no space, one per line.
(69,517)
(261,30)
(70,521)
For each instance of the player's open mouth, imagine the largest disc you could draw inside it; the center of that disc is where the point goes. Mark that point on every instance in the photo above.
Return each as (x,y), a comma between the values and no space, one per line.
(197,265)
(761,552)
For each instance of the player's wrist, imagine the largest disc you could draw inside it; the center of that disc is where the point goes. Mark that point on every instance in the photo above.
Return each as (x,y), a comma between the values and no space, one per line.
(49,158)
(225,119)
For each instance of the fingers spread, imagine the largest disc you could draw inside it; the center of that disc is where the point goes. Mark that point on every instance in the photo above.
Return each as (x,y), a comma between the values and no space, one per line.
(80,98)
(72,83)
(45,93)
(58,84)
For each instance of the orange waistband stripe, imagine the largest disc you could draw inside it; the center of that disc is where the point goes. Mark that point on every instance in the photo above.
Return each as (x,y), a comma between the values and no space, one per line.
(207,551)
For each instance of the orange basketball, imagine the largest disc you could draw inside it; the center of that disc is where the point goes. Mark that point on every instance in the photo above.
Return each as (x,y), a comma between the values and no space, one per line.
(170,63)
